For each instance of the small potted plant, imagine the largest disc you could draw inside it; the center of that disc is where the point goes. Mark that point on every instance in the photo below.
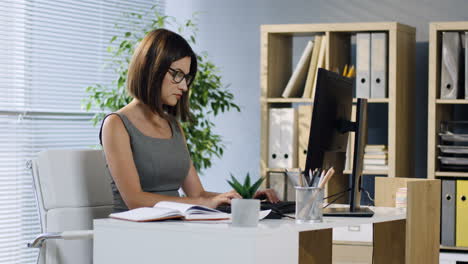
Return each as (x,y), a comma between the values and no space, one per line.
(245,212)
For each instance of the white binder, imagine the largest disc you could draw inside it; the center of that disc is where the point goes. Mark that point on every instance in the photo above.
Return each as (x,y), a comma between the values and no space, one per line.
(282,141)
(295,86)
(450,65)
(288,151)
(274,138)
(378,76)
(363,45)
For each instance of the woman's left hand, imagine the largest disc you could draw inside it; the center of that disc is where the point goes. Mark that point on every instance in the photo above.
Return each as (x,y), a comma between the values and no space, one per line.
(268,194)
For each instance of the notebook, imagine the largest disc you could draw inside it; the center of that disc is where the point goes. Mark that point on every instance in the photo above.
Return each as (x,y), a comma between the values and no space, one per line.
(171,210)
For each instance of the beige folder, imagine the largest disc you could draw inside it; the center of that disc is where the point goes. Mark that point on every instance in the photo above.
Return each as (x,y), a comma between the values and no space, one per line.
(309,85)
(304,113)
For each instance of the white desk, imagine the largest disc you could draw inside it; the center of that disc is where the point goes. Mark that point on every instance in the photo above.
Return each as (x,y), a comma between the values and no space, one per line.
(273,241)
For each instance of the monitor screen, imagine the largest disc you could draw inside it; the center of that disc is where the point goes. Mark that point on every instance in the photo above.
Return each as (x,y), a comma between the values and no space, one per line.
(330,124)
(332,106)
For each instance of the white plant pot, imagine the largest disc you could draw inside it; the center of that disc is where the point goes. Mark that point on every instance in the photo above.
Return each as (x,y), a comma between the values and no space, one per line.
(245,212)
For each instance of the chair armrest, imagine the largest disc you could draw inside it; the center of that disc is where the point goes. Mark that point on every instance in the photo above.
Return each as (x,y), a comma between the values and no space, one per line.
(66,235)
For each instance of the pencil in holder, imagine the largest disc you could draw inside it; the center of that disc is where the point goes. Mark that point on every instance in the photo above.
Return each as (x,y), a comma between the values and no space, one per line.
(309,203)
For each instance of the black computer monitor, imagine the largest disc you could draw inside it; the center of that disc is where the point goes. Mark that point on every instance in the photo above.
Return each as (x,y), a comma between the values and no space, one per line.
(330,124)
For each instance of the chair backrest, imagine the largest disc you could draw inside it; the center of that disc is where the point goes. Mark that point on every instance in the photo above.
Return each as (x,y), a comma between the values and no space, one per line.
(72,188)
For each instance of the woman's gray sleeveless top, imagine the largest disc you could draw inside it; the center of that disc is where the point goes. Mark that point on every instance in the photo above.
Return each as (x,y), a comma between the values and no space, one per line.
(162,164)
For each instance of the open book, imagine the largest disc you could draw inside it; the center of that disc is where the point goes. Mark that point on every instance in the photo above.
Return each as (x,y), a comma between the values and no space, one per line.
(171,210)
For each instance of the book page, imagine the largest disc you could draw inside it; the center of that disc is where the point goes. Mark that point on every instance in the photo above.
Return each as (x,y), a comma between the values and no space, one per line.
(186,208)
(146,214)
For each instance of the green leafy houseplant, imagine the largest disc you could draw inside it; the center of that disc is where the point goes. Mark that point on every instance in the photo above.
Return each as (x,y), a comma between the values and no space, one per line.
(246,190)
(208,95)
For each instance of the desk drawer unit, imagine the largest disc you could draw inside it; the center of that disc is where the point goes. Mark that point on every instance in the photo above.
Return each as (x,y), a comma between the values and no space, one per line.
(352,244)
(354,233)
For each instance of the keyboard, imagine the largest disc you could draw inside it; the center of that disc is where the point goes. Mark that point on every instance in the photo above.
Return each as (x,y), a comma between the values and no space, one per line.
(277,209)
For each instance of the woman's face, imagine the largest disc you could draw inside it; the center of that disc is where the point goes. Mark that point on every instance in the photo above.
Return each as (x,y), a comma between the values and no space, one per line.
(171,91)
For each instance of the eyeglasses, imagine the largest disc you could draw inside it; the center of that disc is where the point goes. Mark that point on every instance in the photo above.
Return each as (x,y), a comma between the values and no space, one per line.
(178,76)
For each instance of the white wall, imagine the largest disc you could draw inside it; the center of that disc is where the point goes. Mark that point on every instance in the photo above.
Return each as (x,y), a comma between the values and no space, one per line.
(230,33)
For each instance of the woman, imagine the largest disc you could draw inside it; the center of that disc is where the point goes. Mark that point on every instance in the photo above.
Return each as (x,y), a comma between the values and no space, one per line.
(143,142)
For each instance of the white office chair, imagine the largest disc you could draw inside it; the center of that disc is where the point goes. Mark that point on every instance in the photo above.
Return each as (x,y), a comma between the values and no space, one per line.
(72,189)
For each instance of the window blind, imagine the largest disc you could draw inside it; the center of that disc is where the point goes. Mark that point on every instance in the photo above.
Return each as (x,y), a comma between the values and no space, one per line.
(50,51)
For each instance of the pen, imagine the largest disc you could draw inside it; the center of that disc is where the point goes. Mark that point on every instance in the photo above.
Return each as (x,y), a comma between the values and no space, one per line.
(301,179)
(311,177)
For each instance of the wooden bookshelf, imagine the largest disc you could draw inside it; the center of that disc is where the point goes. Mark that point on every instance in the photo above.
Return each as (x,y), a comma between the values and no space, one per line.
(440,109)
(276,69)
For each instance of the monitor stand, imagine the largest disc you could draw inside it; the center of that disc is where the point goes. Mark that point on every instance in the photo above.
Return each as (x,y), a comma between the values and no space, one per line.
(345,212)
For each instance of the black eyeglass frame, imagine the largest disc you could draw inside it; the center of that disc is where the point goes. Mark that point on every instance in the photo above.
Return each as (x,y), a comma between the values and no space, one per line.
(178,76)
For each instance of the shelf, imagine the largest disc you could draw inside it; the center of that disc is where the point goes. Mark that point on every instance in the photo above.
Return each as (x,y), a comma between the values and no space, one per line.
(451,101)
(277,45)
(374,100)
(278,170)
(368,172)
(288,100)
(308,100)
(451,174)
(454,248)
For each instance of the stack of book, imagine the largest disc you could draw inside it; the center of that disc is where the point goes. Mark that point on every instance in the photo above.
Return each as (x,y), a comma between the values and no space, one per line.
(376,157)
(302,82)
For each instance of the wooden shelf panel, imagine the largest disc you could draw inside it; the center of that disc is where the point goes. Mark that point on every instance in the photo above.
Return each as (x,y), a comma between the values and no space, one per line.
(277,170)
(336,27)
(374,100)
(369,172)
(454,248)
(453,101)
(287,100)
(450,26)
(451,174)
(308,100)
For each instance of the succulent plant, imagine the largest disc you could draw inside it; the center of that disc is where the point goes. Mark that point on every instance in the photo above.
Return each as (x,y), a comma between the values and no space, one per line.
(246,190)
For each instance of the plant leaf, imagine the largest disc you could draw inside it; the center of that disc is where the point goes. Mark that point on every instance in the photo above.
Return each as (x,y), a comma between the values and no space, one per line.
(236,187)
(247,181)
(255,186)
(244,192)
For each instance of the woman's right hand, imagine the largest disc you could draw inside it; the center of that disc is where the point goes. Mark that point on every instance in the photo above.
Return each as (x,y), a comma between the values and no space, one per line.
(222,198)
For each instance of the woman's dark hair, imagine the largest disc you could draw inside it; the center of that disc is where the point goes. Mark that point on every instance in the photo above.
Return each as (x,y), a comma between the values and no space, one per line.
(150,63)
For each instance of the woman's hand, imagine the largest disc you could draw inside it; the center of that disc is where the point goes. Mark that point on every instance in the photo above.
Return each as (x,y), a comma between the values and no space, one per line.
(222,198)
(268,194)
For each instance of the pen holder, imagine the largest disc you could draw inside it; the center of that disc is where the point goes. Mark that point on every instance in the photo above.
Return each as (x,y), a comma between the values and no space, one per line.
(309,203)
